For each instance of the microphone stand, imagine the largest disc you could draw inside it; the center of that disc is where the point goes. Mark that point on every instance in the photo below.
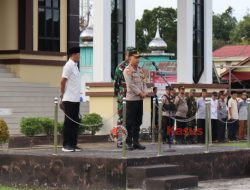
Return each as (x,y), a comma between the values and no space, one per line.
(165,80)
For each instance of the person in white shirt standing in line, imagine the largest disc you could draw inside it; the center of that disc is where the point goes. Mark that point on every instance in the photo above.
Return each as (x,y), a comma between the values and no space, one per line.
(243,117)
(233,117)
(70,100)
(201,115)
(214,115)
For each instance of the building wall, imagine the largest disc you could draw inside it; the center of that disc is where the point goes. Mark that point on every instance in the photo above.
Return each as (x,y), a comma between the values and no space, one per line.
(108,109)
(28,71)
(9,24)
(39,67)
(35,25)
(38,74)
(218,62)
(63,25)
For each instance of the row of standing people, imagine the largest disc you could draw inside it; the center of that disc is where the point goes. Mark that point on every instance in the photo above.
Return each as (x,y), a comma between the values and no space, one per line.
(189,113)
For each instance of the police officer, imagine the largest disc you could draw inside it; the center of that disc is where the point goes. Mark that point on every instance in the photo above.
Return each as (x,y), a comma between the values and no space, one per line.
(168,113)
(192,108)
(120,89)
(136,92)
(156,111)
(181,114)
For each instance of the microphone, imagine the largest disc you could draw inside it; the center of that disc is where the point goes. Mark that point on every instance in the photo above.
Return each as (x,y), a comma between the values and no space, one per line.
(152,62)
(156,67)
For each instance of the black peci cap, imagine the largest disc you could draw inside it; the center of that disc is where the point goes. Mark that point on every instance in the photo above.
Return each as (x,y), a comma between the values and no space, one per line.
(73,50)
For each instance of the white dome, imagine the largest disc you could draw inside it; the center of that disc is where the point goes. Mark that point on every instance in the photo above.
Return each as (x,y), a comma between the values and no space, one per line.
(157,43)
(87,34)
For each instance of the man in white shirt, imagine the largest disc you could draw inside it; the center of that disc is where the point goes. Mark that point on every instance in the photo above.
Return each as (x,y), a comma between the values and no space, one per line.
(201,115)
(70,96)
(233,117)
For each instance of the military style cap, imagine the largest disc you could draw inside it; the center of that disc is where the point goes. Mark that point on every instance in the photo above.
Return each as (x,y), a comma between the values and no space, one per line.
(132,51)
(192,90)
(181,87)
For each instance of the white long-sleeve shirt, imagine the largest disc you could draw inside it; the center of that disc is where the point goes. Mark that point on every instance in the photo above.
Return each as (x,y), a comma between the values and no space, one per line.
(214,109)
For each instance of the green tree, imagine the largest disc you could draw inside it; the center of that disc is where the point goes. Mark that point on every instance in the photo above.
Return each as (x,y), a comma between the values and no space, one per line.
(241,34)
(146,28)
(223,25)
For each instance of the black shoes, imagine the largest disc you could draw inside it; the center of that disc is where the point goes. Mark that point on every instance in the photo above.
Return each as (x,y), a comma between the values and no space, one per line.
(77,149)
(68,148)
(129,147)
(139,146)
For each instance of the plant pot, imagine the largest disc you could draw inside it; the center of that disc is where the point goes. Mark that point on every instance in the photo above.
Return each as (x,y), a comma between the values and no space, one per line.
(5,146)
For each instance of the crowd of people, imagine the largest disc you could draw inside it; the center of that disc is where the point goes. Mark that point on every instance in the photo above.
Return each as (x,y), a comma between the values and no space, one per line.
(228,114)
(182,112)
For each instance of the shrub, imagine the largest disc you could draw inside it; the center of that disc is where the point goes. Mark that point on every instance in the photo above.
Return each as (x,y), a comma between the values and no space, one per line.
(47,125)
(31,126)
(4,132)
(60,128)
(92,122)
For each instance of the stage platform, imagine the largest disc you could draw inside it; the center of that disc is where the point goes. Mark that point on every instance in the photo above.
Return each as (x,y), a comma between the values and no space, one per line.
(100,166)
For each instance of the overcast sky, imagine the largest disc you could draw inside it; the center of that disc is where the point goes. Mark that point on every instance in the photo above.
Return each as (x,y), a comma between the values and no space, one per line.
(240,6)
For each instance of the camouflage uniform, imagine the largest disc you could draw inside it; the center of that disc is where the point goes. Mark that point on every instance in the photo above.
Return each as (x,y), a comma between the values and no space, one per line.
(120,88)
(192,108)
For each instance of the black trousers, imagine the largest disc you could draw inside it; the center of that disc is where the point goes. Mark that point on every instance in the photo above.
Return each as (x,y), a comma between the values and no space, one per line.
(221,126)
(134,114)
(214,129)
(180,126)
(201,124)
(232,129)
(70,128)
(167,122)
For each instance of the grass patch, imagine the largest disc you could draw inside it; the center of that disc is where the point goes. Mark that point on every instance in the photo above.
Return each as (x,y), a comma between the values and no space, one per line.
(234,144)
(13,188)
(7,188)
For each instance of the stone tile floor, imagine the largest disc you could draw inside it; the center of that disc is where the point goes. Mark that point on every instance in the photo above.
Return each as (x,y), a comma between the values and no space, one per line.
(109,150)
(222,184)
(225,184)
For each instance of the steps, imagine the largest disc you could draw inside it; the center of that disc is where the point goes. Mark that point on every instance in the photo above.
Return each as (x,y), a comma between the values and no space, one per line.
(27,100)
(159,177)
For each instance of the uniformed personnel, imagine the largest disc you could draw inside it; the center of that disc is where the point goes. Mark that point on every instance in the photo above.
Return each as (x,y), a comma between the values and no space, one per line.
(136,92)
(168,113)
(120,90)
(192,108)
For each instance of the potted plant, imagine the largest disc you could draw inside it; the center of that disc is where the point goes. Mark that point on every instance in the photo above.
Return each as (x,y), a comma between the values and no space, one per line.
(92,122)
(4,132)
